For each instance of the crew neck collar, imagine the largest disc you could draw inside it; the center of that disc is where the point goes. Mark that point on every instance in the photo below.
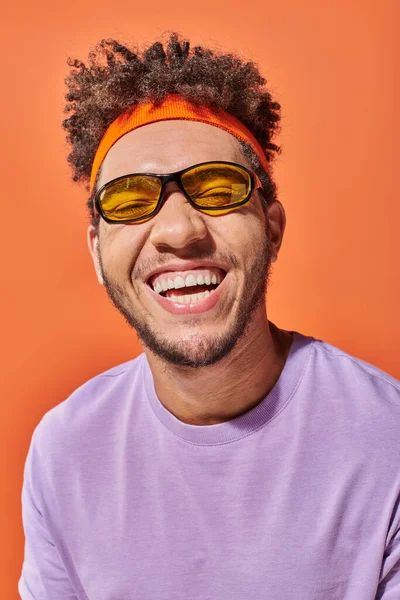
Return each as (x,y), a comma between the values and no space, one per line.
(252,420)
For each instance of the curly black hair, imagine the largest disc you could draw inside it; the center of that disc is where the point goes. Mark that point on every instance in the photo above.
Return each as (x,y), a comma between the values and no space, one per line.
(117,78)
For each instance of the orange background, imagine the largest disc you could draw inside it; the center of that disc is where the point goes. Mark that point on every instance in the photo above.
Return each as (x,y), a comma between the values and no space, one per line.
(332,67)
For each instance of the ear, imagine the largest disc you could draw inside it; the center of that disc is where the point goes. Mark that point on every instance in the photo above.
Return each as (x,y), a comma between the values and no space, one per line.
(277,221)
(93,244)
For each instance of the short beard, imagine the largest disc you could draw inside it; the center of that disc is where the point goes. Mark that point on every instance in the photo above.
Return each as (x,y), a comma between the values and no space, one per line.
(199,351)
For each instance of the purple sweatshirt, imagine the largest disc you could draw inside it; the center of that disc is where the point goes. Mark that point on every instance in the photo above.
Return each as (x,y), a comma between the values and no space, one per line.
(297,499)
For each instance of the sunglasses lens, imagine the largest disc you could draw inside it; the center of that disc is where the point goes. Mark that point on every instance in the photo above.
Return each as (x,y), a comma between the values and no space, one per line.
(130,198)
(217,186)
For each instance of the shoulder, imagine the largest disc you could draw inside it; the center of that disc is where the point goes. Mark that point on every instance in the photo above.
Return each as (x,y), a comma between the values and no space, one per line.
(341,362)
(90,407)
(354,385)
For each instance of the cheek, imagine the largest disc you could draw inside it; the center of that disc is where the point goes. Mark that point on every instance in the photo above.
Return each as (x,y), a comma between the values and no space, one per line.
(244,234)
(119,251)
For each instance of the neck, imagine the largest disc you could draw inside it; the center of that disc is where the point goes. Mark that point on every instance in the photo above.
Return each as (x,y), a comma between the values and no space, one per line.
(231,387)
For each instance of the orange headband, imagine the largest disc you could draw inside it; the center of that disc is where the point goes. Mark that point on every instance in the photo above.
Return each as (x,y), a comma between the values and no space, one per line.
(173,107)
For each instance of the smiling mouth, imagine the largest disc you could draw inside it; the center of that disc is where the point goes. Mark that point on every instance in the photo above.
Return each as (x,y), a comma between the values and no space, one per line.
(192,288)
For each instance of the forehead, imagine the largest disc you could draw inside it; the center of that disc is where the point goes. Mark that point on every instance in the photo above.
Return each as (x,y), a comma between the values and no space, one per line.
(169,146)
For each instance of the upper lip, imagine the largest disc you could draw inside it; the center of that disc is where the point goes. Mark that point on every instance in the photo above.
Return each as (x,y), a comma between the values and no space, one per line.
(185,266)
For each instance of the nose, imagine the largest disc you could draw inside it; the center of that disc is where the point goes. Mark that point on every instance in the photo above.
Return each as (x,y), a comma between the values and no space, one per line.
(177,224)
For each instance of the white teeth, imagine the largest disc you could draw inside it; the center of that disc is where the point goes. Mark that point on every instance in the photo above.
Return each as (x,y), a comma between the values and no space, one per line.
(191,281)
(190,297)
(179,282)
(169,283)
(184,299)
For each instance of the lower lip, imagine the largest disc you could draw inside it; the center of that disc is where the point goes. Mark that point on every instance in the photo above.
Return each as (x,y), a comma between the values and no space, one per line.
(193,308)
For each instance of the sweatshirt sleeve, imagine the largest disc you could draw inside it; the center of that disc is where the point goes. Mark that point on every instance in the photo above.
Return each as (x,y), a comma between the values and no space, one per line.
(43,575)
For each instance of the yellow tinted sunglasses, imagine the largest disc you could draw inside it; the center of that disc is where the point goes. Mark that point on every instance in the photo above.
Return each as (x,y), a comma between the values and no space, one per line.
(214,188)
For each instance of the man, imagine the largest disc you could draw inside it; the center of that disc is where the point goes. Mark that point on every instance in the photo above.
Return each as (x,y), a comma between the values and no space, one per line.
(231,459)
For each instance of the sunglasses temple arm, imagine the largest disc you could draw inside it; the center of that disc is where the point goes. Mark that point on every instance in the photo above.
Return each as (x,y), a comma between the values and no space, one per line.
(258,185)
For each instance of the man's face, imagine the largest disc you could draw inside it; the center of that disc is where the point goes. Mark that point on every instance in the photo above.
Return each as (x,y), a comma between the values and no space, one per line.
(243,242)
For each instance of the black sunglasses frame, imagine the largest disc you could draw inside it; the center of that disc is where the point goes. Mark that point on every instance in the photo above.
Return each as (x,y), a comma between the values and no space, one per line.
(176,177)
